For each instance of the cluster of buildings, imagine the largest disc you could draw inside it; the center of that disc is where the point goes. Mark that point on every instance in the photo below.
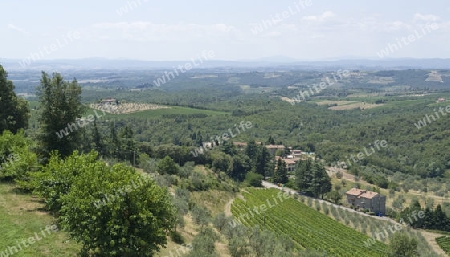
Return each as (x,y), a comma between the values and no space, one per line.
(109,101)
(290,160)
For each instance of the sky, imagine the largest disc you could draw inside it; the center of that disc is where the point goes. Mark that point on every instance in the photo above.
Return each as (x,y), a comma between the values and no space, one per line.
(172,30)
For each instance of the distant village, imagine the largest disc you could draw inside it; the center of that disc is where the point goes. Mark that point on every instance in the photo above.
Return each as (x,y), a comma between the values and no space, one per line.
(291,160)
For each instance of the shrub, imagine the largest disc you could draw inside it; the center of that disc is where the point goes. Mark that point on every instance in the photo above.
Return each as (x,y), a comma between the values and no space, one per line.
(253,179)
(176,237)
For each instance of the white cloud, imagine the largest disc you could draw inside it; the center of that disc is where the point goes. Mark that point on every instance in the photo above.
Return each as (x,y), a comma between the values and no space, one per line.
(420,17)
(325,16)
(13,27)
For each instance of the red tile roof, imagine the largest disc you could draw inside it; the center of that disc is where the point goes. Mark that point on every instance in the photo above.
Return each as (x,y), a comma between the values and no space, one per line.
(355,192)
(362,193)
(369,195)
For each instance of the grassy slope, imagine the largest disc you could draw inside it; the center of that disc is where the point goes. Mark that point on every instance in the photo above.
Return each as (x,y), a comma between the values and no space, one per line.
(20,217)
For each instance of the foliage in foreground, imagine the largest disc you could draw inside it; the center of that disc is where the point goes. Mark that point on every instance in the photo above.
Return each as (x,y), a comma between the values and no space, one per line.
(14,110)
(110,211)
(15,156)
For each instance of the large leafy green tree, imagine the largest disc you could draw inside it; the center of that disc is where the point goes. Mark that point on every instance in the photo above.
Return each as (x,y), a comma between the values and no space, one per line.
(251,150)
(312,178)
(111,211)
(114,143)
(167,166)
(280,175)
(241,165)
(133,220)
(14,111)
(262,161)
(60,106)
(303,175)
(128,149)
(97,140)
(221,162)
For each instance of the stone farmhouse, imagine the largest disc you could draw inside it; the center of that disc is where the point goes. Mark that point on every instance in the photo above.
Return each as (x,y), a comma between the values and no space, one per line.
(364,199)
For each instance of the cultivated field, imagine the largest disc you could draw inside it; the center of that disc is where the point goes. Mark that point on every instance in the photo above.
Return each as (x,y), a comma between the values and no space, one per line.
(307,227)
(347,105)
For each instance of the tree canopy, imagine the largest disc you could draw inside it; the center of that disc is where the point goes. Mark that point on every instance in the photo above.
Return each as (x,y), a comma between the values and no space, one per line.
(60,107)
(14,112)
(111,211)
(312,178)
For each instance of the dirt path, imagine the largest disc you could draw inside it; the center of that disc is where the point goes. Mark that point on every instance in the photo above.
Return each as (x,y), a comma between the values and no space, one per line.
(430,237)
(228,205)
(228,208)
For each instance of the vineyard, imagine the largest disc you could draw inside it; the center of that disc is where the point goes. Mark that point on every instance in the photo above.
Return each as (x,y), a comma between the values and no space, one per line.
(444,243)
(308,228)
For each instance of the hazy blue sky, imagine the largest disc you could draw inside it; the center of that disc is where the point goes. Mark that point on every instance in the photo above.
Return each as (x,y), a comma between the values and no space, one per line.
(179,30)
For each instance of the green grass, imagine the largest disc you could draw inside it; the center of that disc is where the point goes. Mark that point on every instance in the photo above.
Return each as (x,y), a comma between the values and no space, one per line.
(20,217)
(308,228)
(444,243)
